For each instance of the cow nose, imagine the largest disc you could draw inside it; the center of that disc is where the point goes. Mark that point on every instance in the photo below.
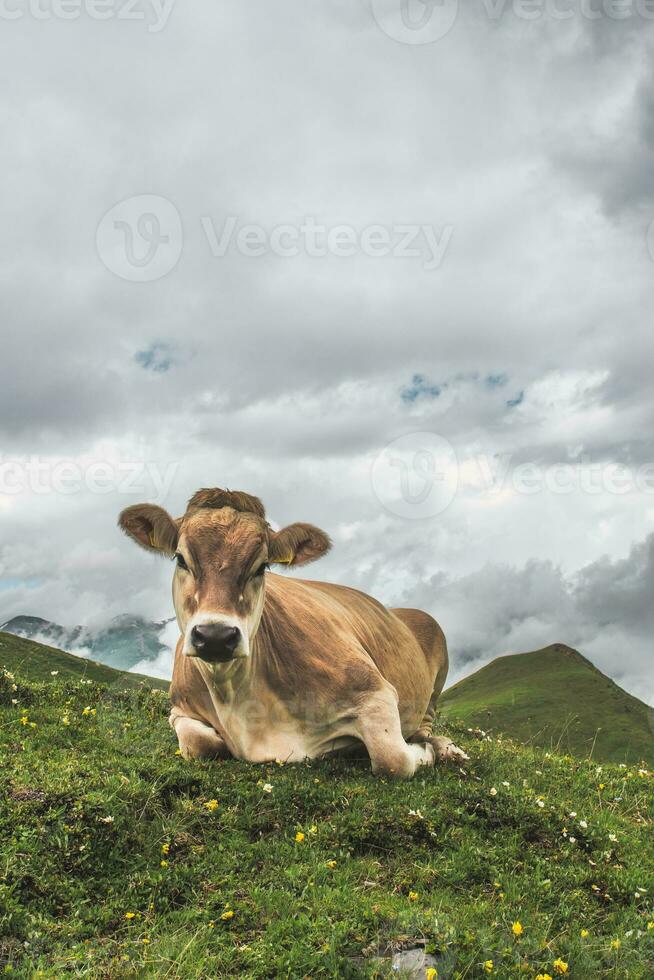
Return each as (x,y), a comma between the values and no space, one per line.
(215,641)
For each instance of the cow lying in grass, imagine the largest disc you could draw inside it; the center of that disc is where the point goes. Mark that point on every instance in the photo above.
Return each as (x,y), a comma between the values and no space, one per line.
(275,668)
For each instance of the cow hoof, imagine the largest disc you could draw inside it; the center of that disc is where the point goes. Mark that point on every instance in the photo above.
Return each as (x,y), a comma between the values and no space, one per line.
(446,751)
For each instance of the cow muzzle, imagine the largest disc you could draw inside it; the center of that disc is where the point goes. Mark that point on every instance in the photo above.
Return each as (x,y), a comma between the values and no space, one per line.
(215,642)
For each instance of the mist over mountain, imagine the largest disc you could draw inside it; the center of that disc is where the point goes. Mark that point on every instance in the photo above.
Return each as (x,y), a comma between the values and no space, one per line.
(126,642)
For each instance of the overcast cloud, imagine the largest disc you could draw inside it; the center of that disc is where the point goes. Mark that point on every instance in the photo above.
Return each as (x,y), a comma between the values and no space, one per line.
(504,306)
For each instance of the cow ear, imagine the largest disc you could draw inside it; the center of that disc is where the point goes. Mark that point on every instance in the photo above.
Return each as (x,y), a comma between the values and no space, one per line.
(151,527)
(298,544)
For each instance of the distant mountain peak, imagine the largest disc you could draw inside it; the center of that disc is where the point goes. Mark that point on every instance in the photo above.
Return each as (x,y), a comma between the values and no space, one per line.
(554,697)
(22,622)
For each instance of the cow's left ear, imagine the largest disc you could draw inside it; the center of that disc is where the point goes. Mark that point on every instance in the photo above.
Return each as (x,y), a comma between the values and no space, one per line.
(152,527)
(298,544)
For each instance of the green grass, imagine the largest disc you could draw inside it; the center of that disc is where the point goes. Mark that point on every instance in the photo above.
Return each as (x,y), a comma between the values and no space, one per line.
(35,661)
(557,699)
(92,803)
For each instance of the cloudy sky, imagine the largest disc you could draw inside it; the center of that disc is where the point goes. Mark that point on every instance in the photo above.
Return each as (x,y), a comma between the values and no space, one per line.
(390,267)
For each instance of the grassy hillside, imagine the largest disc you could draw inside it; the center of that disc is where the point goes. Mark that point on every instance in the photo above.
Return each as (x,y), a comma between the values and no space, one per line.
(555,698)
(37,662)
(120,859)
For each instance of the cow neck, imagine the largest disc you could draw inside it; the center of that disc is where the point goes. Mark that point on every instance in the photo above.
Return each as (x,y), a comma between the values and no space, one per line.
(241,679)
(228,682)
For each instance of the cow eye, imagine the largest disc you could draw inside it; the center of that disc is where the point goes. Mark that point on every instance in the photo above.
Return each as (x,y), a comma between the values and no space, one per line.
(261,569)
(181,563)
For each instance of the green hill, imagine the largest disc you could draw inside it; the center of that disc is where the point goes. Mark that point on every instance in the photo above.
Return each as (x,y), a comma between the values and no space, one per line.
(37,662)
(556,699)
(119,859)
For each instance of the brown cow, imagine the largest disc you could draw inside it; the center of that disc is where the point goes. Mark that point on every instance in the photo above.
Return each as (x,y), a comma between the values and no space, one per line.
(275,668)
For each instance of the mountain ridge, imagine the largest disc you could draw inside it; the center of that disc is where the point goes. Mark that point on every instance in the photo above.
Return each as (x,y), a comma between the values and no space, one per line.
(38,662)
(126,641)
(551,697)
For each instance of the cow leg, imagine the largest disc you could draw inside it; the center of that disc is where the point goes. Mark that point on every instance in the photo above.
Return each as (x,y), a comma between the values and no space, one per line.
(426,729)
(197,740)
(447,751)
(379,728)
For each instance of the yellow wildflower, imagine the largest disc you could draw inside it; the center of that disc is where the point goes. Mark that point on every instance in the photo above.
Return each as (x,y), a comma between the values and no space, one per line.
(584,934)
(431,973)
(517,929)
(489,966)
(313,829)
(560,966)
(413,896)
(165,848)
(544,976)
(299,837)
(650,925)
(65,720)
(227,914)
(615,944)
(211,805)
(24,720)
(330,864)
(145,941)
(163,864)
(130,915)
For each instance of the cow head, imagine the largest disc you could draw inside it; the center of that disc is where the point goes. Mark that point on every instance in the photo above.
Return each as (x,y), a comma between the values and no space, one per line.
(222,547)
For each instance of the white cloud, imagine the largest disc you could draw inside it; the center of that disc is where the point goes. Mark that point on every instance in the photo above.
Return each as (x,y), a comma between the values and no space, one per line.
(533,140)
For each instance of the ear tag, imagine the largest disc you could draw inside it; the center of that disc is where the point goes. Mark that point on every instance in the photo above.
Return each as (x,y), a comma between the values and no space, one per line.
(284,561)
